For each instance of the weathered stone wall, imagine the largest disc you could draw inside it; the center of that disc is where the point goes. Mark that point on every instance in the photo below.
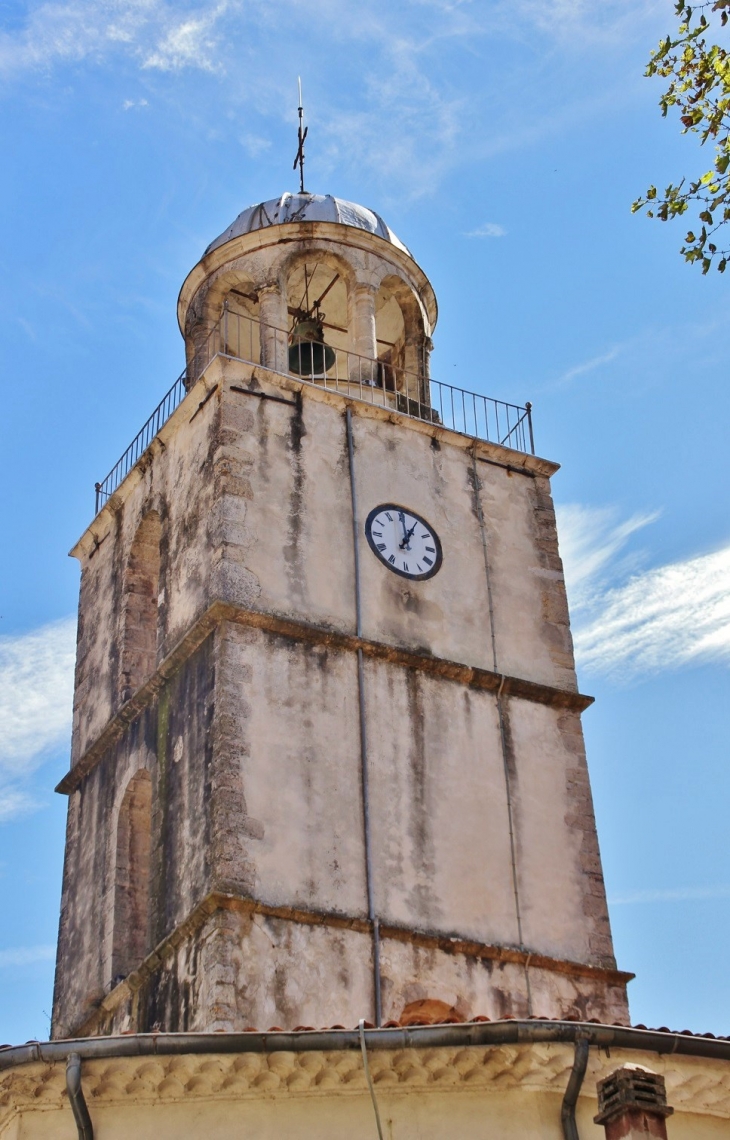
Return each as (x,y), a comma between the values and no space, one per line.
(253,742)
(175,481)
(255,500)
(172,741)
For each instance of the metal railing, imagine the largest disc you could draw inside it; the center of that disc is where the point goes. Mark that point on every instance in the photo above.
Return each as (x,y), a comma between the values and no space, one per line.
(379,382)
(374,381)
(141,441)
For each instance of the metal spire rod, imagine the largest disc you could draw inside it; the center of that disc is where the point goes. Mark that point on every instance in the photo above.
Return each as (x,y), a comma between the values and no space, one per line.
(299,160)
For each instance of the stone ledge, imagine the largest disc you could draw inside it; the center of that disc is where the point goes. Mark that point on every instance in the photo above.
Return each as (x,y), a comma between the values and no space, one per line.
(449,944)
(219,612)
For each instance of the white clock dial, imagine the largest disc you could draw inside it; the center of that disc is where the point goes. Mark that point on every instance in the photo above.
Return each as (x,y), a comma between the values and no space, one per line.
(403,541)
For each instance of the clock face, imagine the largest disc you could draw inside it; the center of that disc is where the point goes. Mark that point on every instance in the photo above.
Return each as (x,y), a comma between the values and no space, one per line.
(403,541)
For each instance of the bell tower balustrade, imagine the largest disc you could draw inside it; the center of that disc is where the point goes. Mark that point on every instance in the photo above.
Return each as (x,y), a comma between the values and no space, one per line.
(379,382)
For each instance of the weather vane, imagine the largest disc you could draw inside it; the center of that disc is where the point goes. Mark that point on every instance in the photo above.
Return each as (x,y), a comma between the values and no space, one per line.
(299,160)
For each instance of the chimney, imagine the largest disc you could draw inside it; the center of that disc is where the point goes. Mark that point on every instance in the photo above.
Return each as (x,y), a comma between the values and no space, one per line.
(632,1104)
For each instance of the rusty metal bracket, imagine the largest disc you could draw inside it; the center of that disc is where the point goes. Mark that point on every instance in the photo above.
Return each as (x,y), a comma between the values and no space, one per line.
(203,402)
(263,396)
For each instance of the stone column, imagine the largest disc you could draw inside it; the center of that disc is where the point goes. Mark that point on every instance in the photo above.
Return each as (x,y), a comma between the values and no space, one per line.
(427,350)
(274,323)
(632,1104)
(363,334)
(197,357)
(417,366)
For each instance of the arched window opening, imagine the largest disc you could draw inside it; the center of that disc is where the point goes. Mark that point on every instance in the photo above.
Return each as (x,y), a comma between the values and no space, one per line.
(390,331)
(317,309)
(141,591)
(223,318)
(238,322)
(403,346)
(132,877)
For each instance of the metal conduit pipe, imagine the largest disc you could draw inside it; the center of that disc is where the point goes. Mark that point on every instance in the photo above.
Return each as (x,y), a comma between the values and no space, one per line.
(364,777)
(76,1097)
(481,1034)
(567,1112)
(500,716)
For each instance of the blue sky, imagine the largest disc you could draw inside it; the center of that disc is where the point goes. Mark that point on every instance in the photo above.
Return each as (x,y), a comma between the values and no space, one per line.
(504,143)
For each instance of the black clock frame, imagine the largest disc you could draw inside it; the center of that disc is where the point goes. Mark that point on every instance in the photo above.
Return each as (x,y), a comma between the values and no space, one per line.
(394,569)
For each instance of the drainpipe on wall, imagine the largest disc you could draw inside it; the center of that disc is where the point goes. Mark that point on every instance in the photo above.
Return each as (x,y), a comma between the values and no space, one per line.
(567,1112)
(76,1097)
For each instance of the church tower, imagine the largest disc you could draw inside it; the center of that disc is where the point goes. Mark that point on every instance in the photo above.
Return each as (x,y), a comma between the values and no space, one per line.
(327,755)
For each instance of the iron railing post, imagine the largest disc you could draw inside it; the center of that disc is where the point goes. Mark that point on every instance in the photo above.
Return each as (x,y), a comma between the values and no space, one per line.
(528,409)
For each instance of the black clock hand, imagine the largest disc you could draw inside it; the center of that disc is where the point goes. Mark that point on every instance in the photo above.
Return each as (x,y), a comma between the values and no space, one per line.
(402,518)
(406,543)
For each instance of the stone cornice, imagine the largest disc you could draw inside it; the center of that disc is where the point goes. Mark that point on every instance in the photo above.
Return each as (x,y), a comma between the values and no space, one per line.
(449,944)
(218,612)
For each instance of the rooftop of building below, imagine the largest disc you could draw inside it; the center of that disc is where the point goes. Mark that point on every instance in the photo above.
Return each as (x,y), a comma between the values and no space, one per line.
(536,1077)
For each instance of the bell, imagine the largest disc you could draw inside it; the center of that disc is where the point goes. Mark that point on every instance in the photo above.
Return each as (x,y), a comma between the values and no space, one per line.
(309,356)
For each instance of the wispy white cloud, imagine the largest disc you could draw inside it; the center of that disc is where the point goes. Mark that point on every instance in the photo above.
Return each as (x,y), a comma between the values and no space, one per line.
(36,691)
(255,145)
(134,104)
(588,366)
(593,544)
(629,621)
(583,22)
(677,894)
(192,42)
(661,619)
(25,955)
(386,98)
(152,31)
(15,802)
(489,229)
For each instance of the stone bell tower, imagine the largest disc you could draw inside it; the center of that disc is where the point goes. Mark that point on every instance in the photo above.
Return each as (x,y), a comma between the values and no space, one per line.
(327,754)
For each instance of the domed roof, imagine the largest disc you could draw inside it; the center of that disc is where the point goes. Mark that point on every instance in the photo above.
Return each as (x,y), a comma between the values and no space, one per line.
(307,208)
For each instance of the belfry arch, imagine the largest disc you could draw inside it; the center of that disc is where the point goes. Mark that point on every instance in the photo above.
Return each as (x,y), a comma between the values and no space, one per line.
(225,319)
(402,344)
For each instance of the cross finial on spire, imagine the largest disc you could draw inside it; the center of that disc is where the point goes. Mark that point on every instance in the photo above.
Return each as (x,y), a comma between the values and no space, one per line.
(299,160)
